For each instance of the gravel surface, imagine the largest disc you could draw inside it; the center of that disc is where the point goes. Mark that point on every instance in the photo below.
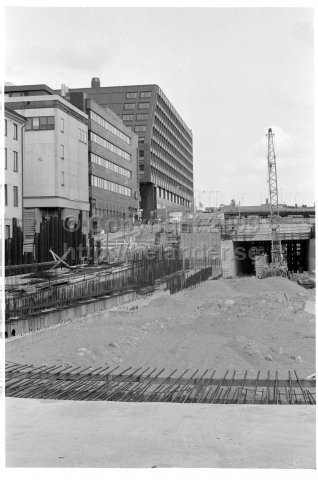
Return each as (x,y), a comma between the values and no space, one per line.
(238,324)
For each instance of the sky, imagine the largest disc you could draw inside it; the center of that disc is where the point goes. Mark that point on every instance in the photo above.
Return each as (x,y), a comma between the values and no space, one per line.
(231,73)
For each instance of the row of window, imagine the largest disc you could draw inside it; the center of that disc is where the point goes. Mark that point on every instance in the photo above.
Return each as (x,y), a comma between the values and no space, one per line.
(15,160)
(172,197)
(101,121)
(110,165)
(15,196)
(128,117)
(132,106)
(82,136)
(40,123)
(134,94)
(110,146)
(140,128)
(110,186)
(15,130)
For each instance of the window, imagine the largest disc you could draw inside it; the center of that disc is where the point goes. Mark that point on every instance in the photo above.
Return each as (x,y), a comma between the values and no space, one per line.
(128,117)
(36,124)
(110,186)
(104,143)
(40,123)
(28,124)
(110,165)
(5,127)
(7,231)
(82,136)
(141,169)
(145,94)
(140,128)
(43,123)
(62,125)
(141,153)
(129,106)
(15,131)
(6,194)
(15,162)
(15,197)
(142,116)
(5,159)
(144,105)
(62,179)
(101,121)
(141,140)
(62,152)
(131,95)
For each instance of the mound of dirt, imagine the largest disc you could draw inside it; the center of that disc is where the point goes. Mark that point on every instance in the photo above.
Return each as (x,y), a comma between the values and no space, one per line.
(239,324)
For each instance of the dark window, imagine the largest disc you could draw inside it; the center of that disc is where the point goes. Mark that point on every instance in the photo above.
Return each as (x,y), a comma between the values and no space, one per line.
(141,140)
(15,197)
(15,131)
(141,153)
(62,179)
(7,231)
(62,152)
(43,123)
(50,123)
(15,162)
(6,194)
(62,125)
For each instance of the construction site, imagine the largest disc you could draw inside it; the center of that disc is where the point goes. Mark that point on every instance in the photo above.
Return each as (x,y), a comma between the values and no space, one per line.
(205,310)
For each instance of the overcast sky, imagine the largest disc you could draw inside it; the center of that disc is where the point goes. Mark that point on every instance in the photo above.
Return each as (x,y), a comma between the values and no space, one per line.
(230,73)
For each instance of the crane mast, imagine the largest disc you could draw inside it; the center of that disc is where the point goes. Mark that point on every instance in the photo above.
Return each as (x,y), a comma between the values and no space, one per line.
(276,250)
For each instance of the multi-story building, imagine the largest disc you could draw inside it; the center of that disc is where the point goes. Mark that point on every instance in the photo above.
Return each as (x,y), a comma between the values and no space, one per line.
(55,175)
(13,164)
(165,153)
(112,150)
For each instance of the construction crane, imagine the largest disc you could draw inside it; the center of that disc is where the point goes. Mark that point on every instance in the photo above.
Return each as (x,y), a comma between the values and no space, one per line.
(278,265)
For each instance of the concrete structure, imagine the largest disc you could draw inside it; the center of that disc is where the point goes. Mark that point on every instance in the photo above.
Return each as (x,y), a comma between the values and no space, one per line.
(13,170)
(55,168)
(158,435)
(113,170)
(165,153)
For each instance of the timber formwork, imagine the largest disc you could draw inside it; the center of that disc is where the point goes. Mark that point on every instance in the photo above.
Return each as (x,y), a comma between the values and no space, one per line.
(156,385)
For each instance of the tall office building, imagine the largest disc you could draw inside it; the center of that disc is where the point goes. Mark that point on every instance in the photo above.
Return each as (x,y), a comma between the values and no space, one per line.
(165,152)
(112,161)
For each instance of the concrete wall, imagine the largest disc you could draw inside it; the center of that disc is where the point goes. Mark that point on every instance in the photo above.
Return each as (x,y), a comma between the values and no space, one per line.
(312,254)
(201,244)
(228,259)
(49,319)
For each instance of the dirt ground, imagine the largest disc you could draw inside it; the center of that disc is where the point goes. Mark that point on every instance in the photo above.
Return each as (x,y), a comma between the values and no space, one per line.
(238,324)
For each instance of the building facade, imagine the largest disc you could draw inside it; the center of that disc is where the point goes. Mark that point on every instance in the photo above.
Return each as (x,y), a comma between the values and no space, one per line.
(13,171)
(112,160)
(165,147)
(55,175)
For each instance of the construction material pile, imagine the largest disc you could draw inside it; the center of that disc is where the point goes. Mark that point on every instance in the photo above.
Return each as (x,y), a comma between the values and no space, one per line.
(239,324)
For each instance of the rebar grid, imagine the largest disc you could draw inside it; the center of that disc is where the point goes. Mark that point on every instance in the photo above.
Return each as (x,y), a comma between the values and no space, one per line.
(149,385)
